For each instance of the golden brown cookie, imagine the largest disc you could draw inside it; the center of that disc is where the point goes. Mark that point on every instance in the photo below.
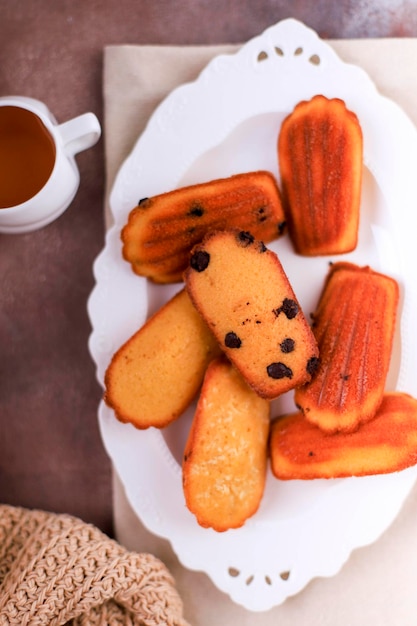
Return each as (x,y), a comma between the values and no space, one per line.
(242,292)
(156,374)
(225,458)
(354,327)
(320,156)
(387,443)
(161,230)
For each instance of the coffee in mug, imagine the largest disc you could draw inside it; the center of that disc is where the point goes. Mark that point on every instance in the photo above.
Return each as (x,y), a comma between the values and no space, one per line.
(27,155)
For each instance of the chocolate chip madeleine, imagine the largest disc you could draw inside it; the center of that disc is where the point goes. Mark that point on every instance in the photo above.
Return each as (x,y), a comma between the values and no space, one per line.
(387,443)
(225,458)
(354,327)
(161,230)
(242,292)
(320,161)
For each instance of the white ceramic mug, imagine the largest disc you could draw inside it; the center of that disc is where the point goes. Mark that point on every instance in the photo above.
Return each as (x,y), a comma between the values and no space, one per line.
(60,182)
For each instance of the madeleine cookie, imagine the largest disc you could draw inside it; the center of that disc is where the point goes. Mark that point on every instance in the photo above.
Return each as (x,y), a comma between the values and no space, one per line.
(156,374)
(320,156)
(161,230)
(387,443)
(242,292)
(354,326)
(225,458)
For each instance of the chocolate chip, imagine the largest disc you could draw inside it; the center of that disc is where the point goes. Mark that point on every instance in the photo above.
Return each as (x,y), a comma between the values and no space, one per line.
(279,370)
(231,340)
(245,238)
(289,308)
(196,211)
(262,247)
(287,345)
(199,260)
(142,201)
(262,217)
(312,365)
(281,227)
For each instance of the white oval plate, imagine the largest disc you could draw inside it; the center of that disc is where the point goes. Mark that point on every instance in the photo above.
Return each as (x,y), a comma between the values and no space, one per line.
(225,122)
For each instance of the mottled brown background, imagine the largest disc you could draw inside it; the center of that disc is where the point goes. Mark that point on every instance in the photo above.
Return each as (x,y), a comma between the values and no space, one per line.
(51,455)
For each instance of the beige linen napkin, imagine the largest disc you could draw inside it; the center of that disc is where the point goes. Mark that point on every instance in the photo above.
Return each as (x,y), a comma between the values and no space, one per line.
(377,584)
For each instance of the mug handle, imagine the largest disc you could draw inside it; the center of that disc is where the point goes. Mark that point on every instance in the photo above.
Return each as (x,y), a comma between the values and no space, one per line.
(80,133)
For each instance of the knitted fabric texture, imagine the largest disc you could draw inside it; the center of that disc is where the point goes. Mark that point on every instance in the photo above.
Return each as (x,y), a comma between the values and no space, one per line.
(56,569)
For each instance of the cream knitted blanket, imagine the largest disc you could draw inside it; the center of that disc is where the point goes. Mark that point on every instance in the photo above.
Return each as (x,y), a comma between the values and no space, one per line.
(56,569)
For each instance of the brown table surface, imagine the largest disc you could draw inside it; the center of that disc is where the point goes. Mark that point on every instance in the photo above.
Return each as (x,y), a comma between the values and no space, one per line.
(51,455)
